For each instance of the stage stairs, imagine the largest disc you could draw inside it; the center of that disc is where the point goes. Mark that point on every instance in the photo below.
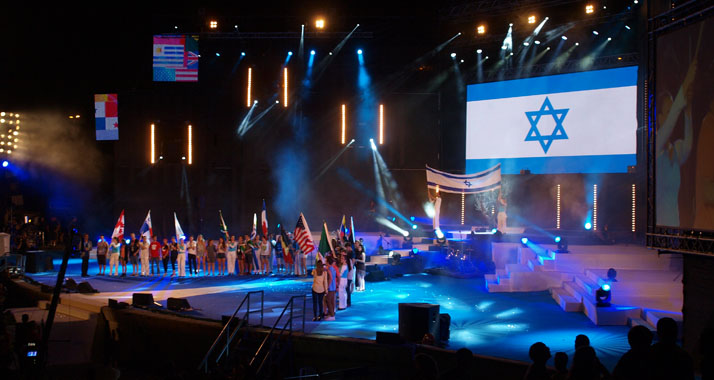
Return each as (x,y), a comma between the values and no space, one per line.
(648,286)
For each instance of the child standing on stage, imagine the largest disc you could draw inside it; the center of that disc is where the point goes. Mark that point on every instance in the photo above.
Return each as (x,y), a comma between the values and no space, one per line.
(210,258)
(231,255)
(319,289)
(181,258)
(102,249)
(239,255)
(221,250)
(114,250)
(154,256)
(201,254)
(342,265)
(331,287)
(166,255)
(191,250)
(144,256)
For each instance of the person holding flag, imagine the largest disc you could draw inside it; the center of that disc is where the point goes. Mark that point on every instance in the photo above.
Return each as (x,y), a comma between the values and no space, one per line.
(343,230)
(303,239)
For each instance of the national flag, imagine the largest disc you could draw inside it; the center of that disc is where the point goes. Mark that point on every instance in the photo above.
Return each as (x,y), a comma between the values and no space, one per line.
(343,228)
(264,220)
(486,180)
(179,231)
(146,230)
(106,116)
(175,58)
(223,227)
(255,222)
(352,230)
(325,243)
(303,236)
(119,228)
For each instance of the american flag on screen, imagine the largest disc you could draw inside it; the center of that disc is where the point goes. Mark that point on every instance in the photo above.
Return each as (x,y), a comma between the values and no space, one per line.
(176,58)
(303,236)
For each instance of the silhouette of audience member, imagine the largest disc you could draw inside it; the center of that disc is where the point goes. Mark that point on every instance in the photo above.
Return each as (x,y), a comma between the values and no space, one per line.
(561,366)
(706,350)
(464,366)
(633,364)
(667,360)
(539,354)
(585,365)
(583,341)
(425,367)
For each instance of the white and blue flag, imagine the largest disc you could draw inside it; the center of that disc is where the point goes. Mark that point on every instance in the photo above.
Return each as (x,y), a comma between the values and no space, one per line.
(570,123)
(486,180)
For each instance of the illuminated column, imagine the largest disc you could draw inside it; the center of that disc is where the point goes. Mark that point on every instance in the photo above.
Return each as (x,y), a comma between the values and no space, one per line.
(190,144)
(344,123)
(557,206)
(250,84)
(594,207)
(633,207)
(285,87)
(381,126)
(152,157)
(463,204)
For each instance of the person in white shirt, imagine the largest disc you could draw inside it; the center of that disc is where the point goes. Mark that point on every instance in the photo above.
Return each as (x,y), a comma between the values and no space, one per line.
(342,265)
(114,250)
(264,255)
(144,256)
(181,259)
(191,249)
(231,255)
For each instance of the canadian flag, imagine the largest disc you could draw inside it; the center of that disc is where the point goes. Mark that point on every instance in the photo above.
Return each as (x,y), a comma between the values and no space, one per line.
(264,220)
(119,228)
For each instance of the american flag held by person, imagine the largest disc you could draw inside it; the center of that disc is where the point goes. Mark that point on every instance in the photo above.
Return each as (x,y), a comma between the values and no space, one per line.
(303,236)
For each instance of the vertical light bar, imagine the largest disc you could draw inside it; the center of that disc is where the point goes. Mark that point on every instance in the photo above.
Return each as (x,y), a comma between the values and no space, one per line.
(344,123)
(152,158)
(557,206)
(463,203)
(493,210)
(595,207)
(190,144)
(285,87)
(249,102)
(633,207)
(381,125)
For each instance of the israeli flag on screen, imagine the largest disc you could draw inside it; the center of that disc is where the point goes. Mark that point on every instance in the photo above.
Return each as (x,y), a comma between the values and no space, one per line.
(570,123)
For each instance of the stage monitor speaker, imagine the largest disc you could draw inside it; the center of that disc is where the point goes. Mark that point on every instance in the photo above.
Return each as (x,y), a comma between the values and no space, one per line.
(142,299)
(177,304)
(114,304)
(70,284)
(85,287)
(389,338)
(444,327)
(375,276)
(418,319)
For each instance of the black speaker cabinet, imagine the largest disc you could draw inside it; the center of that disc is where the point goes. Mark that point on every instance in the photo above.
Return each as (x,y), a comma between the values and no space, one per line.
(418,319)
(85,287)
(177,304)
(444,327)
(142,299)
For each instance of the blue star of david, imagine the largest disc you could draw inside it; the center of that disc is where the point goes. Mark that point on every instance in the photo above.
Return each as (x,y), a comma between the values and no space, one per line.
(558,132)
(467,183)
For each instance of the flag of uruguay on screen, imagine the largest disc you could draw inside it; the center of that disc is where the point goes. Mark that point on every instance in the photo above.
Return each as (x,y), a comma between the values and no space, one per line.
(570,123)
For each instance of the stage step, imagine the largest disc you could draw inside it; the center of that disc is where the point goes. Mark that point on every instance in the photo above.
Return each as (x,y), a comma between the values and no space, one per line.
(566,301)
(585,283)
(498,286)
(577,291)
(513,268)
(653,316)
(641,322)
(615,315)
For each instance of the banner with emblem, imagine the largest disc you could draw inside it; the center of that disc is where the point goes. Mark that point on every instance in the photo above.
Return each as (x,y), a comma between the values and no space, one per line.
(486,180)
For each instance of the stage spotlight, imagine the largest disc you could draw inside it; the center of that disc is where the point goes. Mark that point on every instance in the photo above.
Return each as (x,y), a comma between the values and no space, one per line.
(536,42)
(557,239)
(242,54)
(595,32)
(589,8)
(577,44)
(494,230)
(312,52)
(218,54)
(213,24)
(359,51)
(627,27)
(371,143)
(411,218)
(603,296)
(531,19)
(564,38)
(235,27)
(524,240)
(481,29)
(415,251)
(612,275)
(453,55)
(479,51)
(290,53)
(5,164)
(525,43)
(588,226)
(414,226)
(562,246)
(439,234)
(320,23)
(462,61)
(609,38)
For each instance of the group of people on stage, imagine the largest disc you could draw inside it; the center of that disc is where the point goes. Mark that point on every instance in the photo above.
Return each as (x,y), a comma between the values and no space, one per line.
(336,276)
(208,257)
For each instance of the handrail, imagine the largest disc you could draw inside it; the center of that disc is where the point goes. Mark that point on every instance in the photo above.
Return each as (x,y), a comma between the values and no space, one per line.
(226,328)
(290,305)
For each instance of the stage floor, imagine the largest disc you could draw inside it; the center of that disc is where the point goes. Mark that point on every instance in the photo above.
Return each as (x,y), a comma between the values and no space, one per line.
(495,324)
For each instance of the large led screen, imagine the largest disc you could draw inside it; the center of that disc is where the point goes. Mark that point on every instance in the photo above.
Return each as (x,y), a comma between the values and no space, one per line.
(582,122)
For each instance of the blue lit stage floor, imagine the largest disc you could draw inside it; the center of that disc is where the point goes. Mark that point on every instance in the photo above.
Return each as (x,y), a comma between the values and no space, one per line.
(495,324)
